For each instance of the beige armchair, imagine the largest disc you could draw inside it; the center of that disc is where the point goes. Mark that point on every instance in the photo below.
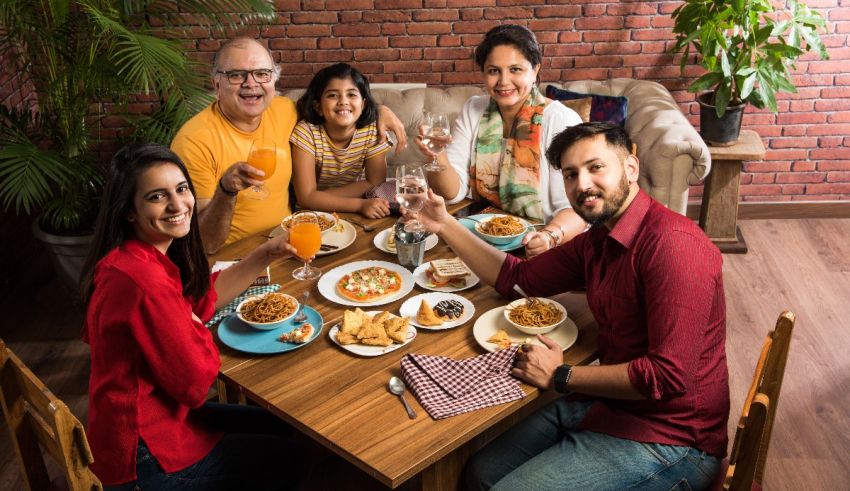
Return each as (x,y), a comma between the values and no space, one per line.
(672,154)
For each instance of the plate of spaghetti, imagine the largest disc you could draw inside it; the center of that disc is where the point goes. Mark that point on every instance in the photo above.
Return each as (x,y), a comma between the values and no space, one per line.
(501,229)
(503,243)
(492,331)
(535,315)
(267,311)
(327,221)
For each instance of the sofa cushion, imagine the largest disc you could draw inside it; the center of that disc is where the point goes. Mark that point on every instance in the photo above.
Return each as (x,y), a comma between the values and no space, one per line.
(580,106)
(603,107)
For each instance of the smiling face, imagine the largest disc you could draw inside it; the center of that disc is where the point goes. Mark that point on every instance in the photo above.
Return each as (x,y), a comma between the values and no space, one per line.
(162,205)
(509,77)
(340,104)
(244,103)
(600,181)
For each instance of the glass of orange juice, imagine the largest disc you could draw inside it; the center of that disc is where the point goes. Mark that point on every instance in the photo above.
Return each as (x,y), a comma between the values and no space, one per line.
(263,156)
(305,235)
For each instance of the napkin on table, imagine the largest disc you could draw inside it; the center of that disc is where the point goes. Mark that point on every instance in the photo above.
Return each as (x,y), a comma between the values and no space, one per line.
(231,307)
(447,387)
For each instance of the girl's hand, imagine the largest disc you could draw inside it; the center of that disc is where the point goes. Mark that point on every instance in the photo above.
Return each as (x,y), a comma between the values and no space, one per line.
(277,247)
(375,208)
(536,243)
(388,121)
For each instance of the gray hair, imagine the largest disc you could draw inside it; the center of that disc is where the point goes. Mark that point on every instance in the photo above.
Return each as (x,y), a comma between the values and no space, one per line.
(242,43)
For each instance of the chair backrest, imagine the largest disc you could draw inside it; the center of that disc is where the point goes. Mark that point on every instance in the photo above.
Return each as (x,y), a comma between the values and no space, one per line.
(38,420)
(752,437)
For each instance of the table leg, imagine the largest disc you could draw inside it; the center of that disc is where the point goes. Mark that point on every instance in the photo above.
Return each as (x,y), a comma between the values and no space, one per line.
(719,210)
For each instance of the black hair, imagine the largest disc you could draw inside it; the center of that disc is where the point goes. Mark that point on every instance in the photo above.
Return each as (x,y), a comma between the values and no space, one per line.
(615,137)
(306,104)
(113,227)
(514,35)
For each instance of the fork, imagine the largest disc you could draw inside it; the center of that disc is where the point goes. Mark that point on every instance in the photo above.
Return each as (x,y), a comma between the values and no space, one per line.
(301,316)
(366,228)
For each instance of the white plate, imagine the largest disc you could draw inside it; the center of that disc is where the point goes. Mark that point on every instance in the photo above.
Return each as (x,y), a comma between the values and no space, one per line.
(340,239)
(422,280)
(411,306)
(494,319)
(365,349)
(380,241)
(328,281)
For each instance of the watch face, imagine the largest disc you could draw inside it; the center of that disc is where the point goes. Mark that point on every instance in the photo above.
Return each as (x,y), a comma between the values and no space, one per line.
(562,378)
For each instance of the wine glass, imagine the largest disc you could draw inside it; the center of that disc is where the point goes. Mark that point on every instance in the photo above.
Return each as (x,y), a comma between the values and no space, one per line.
(410,187)
(263,156)
(436,124)
(305,235)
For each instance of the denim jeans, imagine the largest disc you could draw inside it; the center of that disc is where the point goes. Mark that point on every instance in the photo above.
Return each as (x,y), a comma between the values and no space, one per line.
(545,451)
(256,452)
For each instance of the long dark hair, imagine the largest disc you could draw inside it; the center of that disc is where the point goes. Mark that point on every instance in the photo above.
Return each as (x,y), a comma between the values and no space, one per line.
(113,228)
(306,103)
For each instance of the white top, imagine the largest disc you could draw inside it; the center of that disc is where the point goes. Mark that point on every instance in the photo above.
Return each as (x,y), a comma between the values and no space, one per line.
(556,118)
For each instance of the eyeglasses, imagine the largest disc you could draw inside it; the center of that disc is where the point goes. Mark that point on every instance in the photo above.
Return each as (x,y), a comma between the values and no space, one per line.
(239,77)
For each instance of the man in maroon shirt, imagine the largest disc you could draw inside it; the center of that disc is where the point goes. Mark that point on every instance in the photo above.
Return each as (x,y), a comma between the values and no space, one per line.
(653,414)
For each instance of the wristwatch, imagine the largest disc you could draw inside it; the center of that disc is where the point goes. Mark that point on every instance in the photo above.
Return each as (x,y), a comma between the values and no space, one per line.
(562,378)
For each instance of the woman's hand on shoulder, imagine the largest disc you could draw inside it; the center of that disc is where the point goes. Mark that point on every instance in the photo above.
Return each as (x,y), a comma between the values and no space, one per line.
(388,121)
(375,208)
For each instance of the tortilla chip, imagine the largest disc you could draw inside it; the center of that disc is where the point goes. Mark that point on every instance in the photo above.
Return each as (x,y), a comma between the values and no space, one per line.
(397,329)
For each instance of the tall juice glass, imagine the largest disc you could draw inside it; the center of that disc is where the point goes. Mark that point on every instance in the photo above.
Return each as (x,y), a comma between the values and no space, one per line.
(263,156)
(305,235)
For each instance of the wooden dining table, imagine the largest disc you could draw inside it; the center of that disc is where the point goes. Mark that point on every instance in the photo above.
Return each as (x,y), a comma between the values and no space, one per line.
(341,400)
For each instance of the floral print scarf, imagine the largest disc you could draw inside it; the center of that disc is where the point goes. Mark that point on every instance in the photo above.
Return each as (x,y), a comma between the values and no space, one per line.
(506,171)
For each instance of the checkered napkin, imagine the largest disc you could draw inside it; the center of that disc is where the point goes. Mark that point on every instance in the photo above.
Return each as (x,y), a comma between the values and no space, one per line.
(447,387)
(385,191)
(231,307)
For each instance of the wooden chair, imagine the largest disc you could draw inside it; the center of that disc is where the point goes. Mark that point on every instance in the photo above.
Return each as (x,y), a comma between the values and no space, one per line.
(37,418)
(752,437)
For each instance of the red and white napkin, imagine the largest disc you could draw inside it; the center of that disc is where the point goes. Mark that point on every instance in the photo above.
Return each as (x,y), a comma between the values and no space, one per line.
(447,387)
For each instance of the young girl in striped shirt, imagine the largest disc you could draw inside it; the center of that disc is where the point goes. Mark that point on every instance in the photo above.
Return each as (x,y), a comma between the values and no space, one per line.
(337,157)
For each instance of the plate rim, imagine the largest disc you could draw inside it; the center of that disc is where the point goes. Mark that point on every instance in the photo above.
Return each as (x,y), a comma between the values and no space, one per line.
(278,331)
(384,349)
(468,307)
(379,244)
(347,227)
(406,275)
(420,271)
(504,248)
(567,323)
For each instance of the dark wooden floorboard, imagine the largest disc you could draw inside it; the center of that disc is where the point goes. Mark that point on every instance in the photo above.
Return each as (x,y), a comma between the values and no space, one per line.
(799,265)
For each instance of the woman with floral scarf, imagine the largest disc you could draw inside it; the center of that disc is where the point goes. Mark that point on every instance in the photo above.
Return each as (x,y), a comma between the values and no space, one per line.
(498,146)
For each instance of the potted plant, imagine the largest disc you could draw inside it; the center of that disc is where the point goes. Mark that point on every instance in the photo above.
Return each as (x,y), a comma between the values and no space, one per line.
(748,48)
(83,60)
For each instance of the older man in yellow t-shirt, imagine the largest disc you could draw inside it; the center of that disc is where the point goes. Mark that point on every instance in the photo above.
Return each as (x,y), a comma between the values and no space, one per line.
(215,144)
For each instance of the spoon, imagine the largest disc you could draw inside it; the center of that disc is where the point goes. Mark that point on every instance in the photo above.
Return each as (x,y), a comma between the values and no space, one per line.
(366,228)
(301,316)
(396,386)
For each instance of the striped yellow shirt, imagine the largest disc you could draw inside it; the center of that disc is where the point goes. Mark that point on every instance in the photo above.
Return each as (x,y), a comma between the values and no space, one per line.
(337,166)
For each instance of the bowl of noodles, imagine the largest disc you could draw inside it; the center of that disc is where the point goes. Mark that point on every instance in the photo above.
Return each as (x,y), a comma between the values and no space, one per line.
(267,311)
(327,221)
(535,315)
(501,229)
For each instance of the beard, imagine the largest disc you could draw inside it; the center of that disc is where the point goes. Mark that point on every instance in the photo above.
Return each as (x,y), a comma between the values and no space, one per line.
(611,204)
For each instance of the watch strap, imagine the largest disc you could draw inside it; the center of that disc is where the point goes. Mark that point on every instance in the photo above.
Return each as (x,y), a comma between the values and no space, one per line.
(562,377)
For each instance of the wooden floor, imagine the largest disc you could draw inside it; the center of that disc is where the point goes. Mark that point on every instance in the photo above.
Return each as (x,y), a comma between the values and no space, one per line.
(799,265)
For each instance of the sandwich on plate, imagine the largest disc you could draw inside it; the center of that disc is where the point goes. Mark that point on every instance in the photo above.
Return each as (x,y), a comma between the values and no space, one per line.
(447,273)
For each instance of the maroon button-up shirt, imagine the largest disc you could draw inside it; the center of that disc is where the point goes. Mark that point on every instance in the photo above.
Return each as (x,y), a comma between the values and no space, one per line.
(654,284)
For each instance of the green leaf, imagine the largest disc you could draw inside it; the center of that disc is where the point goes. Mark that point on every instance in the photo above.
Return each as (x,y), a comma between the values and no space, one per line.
(721,100)
(747,86)
(706,82)
(724,64)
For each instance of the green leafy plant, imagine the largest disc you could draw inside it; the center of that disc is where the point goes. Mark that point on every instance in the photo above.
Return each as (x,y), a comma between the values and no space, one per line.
(85,60)
(748,47)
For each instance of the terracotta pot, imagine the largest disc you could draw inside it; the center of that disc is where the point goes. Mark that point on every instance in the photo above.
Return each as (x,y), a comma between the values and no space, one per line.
(721,131)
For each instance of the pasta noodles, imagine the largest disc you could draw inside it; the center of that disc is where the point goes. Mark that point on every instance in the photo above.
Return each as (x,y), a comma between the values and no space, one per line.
(324,222)
(502,226)
(535,313)
(270,308)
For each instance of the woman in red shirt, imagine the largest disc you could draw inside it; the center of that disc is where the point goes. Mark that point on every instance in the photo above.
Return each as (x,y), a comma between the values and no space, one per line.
(148,291)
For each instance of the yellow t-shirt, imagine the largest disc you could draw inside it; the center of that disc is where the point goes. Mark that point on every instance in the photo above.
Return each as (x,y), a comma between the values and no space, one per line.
(209,144)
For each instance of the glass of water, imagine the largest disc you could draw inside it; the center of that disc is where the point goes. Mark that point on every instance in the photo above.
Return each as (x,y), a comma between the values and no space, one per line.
(410,188)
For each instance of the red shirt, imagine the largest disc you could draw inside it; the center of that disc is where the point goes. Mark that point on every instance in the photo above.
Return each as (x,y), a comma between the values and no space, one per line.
(150,364)
(655,286)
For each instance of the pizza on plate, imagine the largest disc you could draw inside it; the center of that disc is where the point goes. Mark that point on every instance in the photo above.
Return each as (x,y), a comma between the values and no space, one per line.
(369,284)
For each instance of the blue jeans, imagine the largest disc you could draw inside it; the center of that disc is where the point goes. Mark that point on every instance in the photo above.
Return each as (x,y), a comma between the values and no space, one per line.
(545,451)
(256,452)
